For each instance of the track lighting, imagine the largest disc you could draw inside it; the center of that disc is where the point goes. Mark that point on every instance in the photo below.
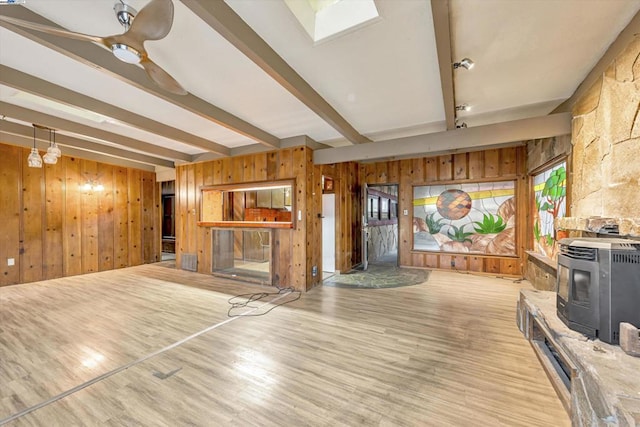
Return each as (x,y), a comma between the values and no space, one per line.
(464,63)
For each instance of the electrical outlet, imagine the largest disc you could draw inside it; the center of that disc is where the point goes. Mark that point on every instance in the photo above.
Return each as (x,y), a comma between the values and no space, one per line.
(11,262)
(405,212)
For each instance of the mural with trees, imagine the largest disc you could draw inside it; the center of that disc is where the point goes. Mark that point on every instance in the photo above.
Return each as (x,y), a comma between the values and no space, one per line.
(550,193)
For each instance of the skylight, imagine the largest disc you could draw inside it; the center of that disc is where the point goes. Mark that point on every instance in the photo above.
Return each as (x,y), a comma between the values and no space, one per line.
(323,19)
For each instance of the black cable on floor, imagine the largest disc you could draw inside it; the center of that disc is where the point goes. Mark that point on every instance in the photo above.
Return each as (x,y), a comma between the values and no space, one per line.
(245,300)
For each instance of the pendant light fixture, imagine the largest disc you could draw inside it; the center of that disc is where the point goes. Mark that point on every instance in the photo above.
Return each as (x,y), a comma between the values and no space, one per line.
(51,158)
(34,160)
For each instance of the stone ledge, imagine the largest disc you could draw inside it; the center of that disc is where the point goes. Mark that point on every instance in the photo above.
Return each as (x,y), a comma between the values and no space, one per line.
(626,227)
(605,389)
(543,259)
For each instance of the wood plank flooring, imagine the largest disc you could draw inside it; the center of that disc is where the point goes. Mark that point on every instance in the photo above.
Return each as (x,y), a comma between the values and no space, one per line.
(443,353)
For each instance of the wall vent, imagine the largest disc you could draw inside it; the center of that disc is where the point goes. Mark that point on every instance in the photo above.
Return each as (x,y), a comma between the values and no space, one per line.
(625,258)
(578,252)
(189,262)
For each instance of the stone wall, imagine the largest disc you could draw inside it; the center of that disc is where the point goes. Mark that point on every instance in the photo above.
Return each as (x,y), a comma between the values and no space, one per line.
(542,151)
(606,142)
(383,239)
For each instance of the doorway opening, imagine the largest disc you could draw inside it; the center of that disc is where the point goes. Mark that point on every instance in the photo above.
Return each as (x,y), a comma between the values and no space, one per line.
(380,225)
(328,235)
(168,206)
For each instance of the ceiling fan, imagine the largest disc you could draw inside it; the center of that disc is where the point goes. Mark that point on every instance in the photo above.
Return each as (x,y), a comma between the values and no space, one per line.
(153,22)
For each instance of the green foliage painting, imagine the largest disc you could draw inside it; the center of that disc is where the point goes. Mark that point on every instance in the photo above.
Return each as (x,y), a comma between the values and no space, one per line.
(434,225)
(491,224)
(458,234)
(470,217)
(550,188)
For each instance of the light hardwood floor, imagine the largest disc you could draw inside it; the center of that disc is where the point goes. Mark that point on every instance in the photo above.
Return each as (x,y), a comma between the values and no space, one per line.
(443,353)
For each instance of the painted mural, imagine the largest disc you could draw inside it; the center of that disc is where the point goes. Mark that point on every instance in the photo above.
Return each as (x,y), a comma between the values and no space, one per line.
(475,218)
(550,194)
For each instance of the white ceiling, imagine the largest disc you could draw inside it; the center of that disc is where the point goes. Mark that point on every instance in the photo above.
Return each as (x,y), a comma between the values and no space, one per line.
(382,78)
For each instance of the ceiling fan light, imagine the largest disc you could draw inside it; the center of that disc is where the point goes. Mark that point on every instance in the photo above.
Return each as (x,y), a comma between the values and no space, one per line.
(126,53)
(34,160)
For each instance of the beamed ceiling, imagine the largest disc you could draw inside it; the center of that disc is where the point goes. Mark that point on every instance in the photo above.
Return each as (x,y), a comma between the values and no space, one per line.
(256,80)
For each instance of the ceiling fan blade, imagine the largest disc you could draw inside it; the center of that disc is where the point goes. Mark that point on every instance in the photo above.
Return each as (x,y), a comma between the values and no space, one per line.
(153,22)
(161,77)
(52,30)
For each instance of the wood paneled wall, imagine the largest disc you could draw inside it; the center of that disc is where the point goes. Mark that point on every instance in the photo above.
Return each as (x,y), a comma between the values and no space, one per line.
(505,163)
(348,213)
(52,228)
(294,251)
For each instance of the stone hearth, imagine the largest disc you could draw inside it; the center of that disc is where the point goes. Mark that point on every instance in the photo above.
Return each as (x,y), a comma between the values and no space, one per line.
(600,384)
(623,227)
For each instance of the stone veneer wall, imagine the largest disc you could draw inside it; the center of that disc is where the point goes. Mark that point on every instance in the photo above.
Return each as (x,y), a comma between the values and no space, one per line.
(606,142)
(539,272)
(383,239)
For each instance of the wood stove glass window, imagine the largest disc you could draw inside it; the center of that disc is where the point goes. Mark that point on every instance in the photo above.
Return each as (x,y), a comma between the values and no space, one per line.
(581,280)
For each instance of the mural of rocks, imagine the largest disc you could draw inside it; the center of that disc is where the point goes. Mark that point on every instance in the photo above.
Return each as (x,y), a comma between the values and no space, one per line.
(462,218)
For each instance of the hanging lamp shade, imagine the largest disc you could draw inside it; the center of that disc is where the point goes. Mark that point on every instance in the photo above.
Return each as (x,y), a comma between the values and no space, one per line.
(34,160)
(54,147)
(51,158)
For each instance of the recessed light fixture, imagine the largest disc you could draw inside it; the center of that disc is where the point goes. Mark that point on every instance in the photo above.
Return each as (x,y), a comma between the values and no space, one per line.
(464,63)
(463,107)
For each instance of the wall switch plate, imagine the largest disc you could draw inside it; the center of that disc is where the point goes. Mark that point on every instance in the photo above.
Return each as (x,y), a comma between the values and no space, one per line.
(405,212)
(11,262)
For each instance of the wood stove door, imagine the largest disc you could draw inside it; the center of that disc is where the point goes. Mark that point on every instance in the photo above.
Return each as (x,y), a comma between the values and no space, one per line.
(582,305)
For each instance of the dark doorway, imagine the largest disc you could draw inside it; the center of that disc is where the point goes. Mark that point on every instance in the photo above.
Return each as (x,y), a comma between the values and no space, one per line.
(168,207)
(381,225)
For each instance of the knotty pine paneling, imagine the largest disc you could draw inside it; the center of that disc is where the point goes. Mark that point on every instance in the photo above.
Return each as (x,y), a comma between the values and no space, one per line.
(54,212)
(32,229)
(135,217)
(505,163)
(181,212)
(121,217)
(150,211)
(60,229)
(106,230)
(200,237)
(10,216)
(72,235)
(290,257)
(89,225)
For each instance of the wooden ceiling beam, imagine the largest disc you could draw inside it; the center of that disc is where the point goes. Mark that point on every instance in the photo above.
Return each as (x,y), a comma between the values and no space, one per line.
(222,18)
(27,83)
(26,132)
(102,59)
(31,116)
(451,141)
(441,23)
(23,141)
